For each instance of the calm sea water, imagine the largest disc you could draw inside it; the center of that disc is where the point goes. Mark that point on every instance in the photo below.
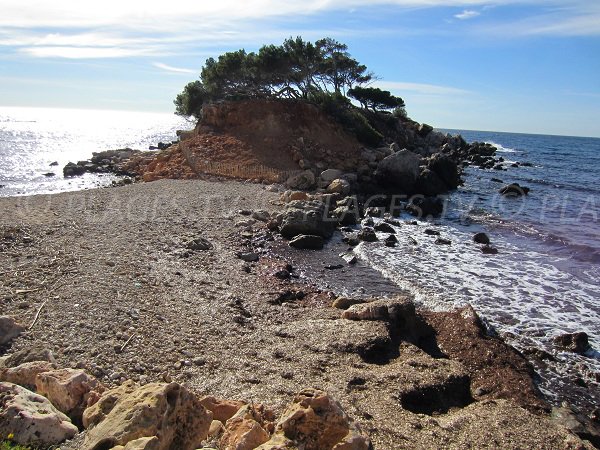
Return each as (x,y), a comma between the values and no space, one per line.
(545,280)
(33,138)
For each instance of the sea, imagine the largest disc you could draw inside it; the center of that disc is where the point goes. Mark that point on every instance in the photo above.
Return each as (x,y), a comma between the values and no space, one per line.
(544,281)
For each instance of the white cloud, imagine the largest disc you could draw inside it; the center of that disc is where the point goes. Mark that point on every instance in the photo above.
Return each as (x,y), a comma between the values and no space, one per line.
(467,14)
(173,69)
(420,88)
(80,52)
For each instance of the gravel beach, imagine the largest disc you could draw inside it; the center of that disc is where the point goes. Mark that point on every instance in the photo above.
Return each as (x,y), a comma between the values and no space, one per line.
(118,281)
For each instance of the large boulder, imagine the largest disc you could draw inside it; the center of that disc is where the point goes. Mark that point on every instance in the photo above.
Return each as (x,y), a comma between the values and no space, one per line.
(429,183)
(327,176)
(446,168)
(9,329)
(302,181)
(28,354)
(309,218)
(423,207)
(315,421)
(222,410)
(573,342)
(399,170)
(168,411)
(31,418)
(246,429)
(69,390)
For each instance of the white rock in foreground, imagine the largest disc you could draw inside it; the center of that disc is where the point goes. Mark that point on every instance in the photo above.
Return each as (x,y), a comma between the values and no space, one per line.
(31,418)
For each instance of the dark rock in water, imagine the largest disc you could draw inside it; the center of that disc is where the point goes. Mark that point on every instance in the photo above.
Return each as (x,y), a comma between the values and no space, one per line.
(248,257)
(352,239)
(334,266)
(391,241)
(538,354)
(526,164)
(367,222)
(498,167)
(2,186)
(199,244)
(425,206)
(497,180)
(481,238)
(412,240)
(385,228)
(308,242)
(308,218)
(373,211)
(391,221)
(514,190)
(73,170)
(367,234)
(516,164)
(431,232)
(573,342)
(49,174)
(446,168)
(54,163)
(489,250)
(442,241)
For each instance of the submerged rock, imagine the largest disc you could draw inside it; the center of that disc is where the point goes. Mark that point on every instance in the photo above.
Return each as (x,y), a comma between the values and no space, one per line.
(573,342)
(514,190)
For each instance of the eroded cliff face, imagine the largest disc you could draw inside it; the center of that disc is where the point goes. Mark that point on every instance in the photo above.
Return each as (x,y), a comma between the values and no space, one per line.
(285,135)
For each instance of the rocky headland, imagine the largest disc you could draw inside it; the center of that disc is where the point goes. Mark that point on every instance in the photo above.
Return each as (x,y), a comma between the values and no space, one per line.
(184,313)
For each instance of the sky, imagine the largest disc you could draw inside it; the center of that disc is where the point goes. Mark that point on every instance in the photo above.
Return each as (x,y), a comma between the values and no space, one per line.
(506,65)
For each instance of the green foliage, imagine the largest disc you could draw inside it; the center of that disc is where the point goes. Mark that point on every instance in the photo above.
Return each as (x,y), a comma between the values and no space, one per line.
(295,69)
(375,98)
(9,445)
(400,112)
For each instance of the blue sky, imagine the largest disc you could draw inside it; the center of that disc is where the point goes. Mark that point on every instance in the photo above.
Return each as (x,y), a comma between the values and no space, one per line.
(506,65)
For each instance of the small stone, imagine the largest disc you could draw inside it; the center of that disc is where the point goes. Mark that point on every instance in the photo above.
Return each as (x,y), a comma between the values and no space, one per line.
(199,244)
(346,302)
(481,238)
(431,232)
(307,241)
(442,241)
(248,257)
(385,228)
(489,250)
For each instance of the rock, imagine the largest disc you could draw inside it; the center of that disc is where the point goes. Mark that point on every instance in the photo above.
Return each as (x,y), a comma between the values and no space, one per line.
(367,222)
(391,241)
(345,302)
(514,190)
(425,206)
(308,242)
(168,411)
(216,429)
(307,218)
(442,241)
(199,244)
(496,180)
(246,430)
(69,390)
(302,181)
(481,238)
(25,374)
(367,234)
(488,250)
(429,183)
(346,215)
(385,228)
(577,423)
(399,170)
(290,196)
(424,130)
(315,421)
(31,418)
(248,257)
(73,170)
(431,232)
(573,342)
(446,168)
(339,186)
(222,410)
(282,274)
(30,354)
(261,215)
(350,258)
(399,311)
(145,443)
(53,163)
(49,174)
(9,329)
(330,174)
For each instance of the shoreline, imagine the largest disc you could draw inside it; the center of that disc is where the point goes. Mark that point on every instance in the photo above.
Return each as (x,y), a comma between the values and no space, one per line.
(114,271)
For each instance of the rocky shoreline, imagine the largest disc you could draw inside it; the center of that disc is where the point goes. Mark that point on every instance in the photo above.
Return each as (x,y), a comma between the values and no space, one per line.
(180,291)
